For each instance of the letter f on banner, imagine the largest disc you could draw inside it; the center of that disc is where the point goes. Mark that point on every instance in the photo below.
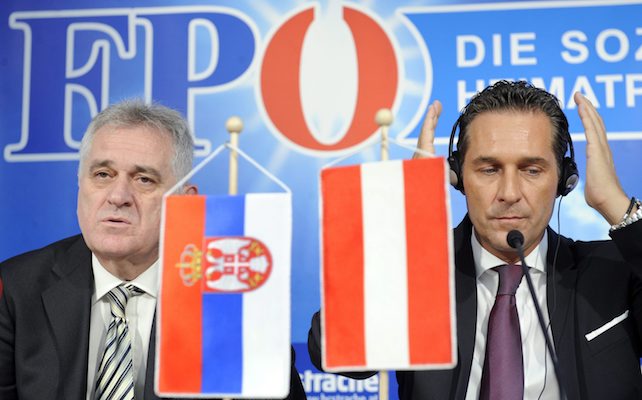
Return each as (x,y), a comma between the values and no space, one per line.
(57,74)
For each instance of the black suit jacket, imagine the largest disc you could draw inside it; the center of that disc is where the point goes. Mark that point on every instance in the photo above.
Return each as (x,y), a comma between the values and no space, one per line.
(593,283)
(45,306)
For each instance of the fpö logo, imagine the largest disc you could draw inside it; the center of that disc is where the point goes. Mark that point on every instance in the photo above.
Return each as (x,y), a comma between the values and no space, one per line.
(324,75)
(318,76)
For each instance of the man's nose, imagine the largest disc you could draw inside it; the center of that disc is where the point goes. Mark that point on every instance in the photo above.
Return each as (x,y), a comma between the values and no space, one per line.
(510,186)
(120,193)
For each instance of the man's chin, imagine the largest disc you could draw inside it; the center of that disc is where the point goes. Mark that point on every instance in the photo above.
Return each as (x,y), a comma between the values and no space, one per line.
(112,248)
(498,240)
(509,224)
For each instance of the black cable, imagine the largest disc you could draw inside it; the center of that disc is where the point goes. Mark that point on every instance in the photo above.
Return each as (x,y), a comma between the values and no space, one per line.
(553,267)
(557,249)
(516,239)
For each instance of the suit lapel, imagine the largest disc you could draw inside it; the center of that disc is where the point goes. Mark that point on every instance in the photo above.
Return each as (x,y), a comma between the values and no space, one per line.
(151,364)
(68,306)
(466,288)
(560,295)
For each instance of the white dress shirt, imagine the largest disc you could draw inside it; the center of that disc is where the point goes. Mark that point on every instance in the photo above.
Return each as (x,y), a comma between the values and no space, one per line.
(539,372)
(139,313)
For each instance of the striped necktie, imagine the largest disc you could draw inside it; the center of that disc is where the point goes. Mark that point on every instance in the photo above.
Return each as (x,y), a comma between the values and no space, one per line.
(115,378)
(503,373)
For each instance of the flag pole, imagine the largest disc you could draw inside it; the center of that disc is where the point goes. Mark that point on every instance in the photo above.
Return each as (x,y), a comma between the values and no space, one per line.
(234,126)
(384,119)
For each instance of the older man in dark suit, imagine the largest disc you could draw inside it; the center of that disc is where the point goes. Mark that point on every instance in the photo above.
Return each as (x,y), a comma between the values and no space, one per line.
(76,317)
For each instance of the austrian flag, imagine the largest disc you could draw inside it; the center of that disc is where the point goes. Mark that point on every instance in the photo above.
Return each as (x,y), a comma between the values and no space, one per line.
(387,267)
(224,309)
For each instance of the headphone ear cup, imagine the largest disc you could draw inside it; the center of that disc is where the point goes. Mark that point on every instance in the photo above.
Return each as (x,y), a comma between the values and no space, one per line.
(456,180)
(569,177)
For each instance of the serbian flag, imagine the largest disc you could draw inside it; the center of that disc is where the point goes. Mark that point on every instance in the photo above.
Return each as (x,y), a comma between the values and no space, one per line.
(387,267)
(223,321)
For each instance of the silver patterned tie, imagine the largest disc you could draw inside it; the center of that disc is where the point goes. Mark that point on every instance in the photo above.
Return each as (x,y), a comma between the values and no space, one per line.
(115,378)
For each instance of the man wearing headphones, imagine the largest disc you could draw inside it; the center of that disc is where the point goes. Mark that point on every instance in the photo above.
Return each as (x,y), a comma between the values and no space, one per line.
(510,164)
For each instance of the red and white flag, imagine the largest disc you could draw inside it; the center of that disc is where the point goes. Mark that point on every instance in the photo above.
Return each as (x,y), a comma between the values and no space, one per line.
(387,270)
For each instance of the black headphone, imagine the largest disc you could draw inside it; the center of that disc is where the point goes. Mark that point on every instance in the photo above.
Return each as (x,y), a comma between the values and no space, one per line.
(568,177)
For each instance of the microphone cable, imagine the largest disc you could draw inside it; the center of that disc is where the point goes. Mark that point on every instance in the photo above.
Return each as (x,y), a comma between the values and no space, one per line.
(515,240)
(554,290)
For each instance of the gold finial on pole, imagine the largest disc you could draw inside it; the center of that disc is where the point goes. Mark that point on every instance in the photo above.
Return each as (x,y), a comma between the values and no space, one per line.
(384,119)
(234,126)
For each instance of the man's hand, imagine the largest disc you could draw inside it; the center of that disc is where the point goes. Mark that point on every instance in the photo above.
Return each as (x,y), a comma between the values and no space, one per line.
(427,135)
(602,190)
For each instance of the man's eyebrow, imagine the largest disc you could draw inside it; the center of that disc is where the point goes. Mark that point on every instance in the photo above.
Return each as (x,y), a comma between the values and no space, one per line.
(147,170)
(525,160)
(484,160)
(100,164)
(535,160)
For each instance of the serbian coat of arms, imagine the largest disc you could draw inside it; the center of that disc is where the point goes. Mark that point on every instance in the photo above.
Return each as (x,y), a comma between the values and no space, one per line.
(226,265)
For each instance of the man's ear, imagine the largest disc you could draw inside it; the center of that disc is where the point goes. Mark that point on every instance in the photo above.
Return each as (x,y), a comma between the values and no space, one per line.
(190,189)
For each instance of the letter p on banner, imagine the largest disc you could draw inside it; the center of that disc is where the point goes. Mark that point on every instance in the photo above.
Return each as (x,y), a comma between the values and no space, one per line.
(387,267)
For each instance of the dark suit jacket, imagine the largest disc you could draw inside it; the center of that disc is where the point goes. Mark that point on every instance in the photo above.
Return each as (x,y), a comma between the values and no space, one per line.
(45,305)
(592,284)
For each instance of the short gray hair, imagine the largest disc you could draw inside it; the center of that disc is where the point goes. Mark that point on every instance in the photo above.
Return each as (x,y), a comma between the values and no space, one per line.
(135,112)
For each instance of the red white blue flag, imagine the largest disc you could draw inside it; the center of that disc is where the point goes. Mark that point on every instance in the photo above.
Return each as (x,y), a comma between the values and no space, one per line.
(387,267)
(224,307)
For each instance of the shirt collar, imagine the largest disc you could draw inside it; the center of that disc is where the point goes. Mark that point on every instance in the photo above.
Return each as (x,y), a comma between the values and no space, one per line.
(104,281)
(484,260)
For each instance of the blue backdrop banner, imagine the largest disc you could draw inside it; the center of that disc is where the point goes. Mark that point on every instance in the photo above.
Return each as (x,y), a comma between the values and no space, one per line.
(307,78)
